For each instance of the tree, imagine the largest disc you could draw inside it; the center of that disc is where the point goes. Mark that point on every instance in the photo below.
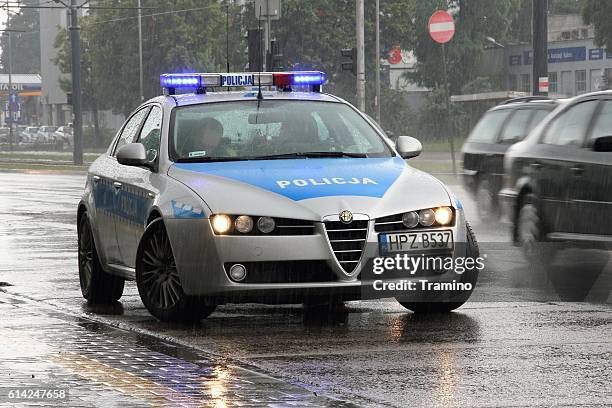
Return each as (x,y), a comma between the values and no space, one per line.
(178,36)
(26,45)
(597,12)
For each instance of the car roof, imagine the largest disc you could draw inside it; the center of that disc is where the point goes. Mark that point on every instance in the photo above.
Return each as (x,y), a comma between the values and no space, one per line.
(529,104)
(232,96)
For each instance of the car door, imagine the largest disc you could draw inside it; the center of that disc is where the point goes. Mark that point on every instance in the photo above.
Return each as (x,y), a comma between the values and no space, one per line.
(591,182)
(139,187)
(106,193)
(552,164)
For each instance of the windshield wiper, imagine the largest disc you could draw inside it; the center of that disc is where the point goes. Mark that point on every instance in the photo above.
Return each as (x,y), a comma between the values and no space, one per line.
(308,155)
(208,159)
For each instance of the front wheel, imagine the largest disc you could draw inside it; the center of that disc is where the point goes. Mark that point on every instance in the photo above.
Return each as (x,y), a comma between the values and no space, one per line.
(159,283)
(451,303)
(96,285)
(530,235)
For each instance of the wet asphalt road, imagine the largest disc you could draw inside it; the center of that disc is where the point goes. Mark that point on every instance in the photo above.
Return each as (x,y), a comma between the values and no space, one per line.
(525,339)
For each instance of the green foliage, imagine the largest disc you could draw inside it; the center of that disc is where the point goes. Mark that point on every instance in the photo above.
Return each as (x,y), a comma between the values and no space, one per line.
(26,44)
(598,12)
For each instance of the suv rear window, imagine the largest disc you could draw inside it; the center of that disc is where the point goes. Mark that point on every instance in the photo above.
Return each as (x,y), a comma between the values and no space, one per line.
(487,128)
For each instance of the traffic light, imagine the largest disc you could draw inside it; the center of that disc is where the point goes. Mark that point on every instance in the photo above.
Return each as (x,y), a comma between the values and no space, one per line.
(351,62)
(254,49)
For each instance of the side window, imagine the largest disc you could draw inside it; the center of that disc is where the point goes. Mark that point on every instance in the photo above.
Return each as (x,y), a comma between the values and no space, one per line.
(516,128)
(128,134)
(602,125)
(151,133)
(569,128)
(488,126)
(538,116)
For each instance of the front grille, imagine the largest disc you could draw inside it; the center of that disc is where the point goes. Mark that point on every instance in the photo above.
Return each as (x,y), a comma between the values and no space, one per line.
(286,272)
(389,223)
(347,241)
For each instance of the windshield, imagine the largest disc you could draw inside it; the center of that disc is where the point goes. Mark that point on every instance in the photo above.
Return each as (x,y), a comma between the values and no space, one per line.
(488,127)
(272,129)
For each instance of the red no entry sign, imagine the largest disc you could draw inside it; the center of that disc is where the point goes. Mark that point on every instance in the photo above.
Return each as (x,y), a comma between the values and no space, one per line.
(441,26)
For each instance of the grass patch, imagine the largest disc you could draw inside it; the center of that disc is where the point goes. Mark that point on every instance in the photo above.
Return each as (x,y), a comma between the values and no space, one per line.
(441,145)
(43,168)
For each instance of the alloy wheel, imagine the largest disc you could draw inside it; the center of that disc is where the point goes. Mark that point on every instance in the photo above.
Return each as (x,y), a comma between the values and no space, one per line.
(160,278)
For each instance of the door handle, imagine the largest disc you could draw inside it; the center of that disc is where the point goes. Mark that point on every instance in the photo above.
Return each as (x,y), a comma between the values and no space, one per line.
(117,185)
(95,179)
(577,170)
(536,165)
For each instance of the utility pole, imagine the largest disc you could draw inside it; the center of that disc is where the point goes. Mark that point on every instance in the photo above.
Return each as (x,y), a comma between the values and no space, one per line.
(10,78)
(377,66)
(77,113)
(360,57)
(140,50)
(539,27)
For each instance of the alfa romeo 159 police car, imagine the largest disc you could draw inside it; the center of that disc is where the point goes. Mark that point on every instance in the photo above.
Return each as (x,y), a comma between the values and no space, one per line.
(271,192)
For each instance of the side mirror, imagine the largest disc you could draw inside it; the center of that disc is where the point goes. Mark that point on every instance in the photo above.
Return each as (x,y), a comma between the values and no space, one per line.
(132,154)
(603,144)
(408,147)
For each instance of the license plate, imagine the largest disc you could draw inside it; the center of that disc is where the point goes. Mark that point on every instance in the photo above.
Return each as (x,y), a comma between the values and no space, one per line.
(415,241)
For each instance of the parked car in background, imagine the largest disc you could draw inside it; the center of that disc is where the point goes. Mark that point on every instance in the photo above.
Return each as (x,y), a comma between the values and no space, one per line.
(29,134)
(558,183)
(46,134)
(64,133)
(495,132)
(4,134)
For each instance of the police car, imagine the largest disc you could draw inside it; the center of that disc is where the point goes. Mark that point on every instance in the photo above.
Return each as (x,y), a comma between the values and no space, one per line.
(257,187)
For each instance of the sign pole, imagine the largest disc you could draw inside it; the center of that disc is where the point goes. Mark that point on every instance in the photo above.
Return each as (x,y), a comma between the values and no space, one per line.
(450,127)
(441,29)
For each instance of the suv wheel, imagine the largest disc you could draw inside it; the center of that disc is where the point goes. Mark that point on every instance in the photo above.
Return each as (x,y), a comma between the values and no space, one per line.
(530,234)
(486,201)
(159,283)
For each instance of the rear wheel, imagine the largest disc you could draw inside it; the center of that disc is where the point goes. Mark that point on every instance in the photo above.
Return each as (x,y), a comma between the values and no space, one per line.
(486,201)
(96,285)
(159,283)
(451,303)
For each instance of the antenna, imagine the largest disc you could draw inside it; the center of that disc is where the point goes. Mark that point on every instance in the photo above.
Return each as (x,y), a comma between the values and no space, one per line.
(259,67)
(227,36)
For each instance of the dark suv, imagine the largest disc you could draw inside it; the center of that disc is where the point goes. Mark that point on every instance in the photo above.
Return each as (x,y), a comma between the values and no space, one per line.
(483,152)
(558,183)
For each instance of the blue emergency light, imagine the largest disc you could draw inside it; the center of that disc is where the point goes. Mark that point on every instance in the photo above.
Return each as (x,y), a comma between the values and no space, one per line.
(199,82)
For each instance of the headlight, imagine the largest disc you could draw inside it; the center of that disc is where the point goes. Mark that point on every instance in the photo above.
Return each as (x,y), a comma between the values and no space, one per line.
(266,224)
(410,219)
(243,224)
(427,217)
(221,223)
(443,215)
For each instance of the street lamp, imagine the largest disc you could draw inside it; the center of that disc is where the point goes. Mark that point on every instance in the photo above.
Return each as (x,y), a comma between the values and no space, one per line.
(492,41)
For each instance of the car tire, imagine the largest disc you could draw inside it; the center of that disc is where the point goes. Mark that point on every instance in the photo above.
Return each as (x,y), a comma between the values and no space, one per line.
(469,276)
(530,234)
(97,286)
(486,201)
(158,281)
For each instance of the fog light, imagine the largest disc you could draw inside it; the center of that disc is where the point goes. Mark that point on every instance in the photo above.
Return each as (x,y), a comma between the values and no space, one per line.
(266,224)
(444,215)
(221,223)
(244,224)
(237,272)
(410,219)
(427,217)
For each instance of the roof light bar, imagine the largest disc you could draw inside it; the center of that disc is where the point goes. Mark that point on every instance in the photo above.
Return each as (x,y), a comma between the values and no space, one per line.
(283,80)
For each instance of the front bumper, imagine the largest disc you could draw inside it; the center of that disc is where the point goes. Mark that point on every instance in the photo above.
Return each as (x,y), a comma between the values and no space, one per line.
(203,260)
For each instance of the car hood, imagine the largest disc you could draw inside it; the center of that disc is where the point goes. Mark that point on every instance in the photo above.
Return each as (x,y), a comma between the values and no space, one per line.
(312,188)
